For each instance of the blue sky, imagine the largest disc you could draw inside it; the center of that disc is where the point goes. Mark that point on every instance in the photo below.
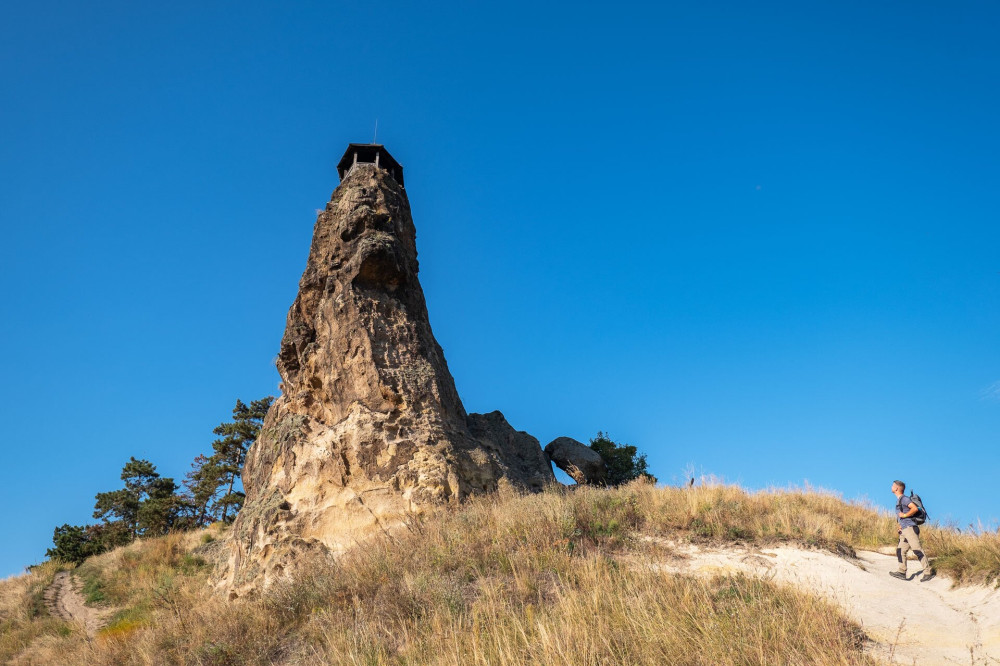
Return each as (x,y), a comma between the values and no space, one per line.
(758,240)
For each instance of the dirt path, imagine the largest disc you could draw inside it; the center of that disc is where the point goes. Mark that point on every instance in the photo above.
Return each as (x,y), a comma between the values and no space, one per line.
(911,622)
(64,601)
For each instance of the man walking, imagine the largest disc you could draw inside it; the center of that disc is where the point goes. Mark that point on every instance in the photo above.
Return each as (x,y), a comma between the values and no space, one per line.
(909,534)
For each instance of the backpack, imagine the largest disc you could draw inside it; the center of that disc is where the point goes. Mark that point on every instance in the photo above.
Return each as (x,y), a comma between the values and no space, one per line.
(920,517)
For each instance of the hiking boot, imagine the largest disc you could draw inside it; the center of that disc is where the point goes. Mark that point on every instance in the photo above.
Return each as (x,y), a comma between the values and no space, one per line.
(927,576)
(896,574)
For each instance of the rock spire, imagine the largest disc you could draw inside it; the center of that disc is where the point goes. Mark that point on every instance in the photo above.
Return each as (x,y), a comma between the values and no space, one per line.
(369,426)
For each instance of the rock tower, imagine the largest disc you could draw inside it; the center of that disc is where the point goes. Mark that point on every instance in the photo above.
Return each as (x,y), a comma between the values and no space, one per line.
(369,426)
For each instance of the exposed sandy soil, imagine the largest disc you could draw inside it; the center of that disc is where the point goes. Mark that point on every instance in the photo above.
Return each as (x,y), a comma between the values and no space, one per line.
(910,622)
(63,599)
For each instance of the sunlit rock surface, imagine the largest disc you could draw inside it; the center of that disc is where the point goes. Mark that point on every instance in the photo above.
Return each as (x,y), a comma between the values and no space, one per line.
(370,427)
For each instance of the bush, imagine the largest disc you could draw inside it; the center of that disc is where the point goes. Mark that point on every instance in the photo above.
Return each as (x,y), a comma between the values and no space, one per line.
(621,460)
(75,543)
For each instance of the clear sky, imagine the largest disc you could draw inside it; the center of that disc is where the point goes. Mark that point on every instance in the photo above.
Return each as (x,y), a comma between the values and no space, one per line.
(758,240)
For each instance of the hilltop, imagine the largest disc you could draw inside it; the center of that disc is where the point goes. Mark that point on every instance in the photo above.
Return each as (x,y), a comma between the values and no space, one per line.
(638,574)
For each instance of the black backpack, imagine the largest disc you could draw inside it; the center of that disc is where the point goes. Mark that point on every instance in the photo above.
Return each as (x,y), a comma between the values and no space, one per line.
(920,517)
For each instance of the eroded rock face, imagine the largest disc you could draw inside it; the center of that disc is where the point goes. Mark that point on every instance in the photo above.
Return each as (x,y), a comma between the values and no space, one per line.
(581,462)
(518,454)
(369,427)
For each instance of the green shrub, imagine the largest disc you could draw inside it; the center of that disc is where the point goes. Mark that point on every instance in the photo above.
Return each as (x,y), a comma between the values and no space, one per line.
(622,461)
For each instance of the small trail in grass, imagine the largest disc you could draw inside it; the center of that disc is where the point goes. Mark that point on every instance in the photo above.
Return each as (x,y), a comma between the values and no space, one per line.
(63,600)
(908,621)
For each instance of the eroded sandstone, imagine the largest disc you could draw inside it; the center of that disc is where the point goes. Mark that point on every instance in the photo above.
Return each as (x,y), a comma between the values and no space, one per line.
(369,428)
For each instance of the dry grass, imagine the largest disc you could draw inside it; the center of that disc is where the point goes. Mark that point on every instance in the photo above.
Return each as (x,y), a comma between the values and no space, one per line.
(966,557)
(24,619)
(721,513)
(554,578)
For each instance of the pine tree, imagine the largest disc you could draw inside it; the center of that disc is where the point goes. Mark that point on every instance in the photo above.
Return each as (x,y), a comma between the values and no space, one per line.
(70,544)
(147,503)
(159,510)
(237,436)
(202,484)
(104,537)
(119,506)
(75,543)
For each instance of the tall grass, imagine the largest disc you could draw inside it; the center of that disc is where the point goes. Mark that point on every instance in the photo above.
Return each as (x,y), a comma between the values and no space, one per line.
(968,558)
(24,620)
(560,577)
(721,513)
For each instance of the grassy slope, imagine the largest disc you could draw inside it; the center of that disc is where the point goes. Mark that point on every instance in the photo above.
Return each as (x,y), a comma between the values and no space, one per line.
(23,617)
(555,578)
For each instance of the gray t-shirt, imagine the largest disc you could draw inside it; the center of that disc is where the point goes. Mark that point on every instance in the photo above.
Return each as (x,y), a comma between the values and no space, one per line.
(903,506)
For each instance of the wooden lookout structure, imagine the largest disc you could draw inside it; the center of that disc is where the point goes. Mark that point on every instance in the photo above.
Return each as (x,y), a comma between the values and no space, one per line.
(369,153)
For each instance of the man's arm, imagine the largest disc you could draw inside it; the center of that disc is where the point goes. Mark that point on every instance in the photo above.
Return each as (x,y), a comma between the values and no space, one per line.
(911,511)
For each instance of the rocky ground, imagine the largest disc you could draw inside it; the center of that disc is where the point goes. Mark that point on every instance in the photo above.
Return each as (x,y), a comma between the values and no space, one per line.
(909,622)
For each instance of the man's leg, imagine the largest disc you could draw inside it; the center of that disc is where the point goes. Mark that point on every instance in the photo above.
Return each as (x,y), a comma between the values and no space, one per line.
(901,550)
(913,539)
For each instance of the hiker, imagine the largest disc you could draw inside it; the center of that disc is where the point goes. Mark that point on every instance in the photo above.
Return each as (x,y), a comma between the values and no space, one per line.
(909,534)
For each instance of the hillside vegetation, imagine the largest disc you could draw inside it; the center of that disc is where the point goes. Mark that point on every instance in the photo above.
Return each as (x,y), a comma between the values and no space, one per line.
(561,577)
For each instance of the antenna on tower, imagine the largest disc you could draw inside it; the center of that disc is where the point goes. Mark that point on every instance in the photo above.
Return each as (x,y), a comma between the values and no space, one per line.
(376,131)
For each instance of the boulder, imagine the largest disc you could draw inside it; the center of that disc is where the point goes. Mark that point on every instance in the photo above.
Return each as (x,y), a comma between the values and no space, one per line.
(519,453)
(581,462)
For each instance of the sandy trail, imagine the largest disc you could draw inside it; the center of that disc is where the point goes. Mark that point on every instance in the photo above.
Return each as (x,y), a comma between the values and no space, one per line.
(911,622)
(64,601)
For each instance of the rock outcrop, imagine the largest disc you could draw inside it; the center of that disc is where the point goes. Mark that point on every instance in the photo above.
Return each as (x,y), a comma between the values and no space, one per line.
(370,427)
(581,462)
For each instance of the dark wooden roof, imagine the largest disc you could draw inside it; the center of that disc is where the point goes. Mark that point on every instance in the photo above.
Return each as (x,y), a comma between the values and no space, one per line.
(367,152)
